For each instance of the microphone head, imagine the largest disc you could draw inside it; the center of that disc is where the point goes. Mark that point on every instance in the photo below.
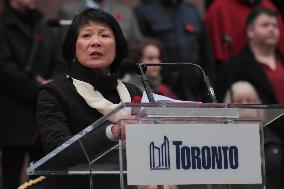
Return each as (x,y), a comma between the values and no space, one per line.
(227,38)
(129,66)
(143,67)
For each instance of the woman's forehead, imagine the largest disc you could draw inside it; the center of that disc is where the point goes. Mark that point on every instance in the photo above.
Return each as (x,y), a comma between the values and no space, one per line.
(95,24)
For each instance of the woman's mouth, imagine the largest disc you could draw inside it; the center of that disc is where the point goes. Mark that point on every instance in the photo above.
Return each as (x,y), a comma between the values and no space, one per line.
(96,54)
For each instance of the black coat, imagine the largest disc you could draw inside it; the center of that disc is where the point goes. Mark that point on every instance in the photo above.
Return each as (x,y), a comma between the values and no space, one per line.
(245,67)
(62,113)
(19,35)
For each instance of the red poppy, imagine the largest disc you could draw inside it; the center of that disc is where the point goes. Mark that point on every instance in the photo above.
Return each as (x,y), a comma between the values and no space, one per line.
(137,99)
(37,37)
(118,16)
(189,28)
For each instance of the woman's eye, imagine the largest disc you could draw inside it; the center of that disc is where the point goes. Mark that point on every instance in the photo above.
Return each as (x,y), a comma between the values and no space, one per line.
(105,35)
(86,35)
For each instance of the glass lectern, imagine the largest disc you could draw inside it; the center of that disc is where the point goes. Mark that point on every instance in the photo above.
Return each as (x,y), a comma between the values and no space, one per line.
(79,155)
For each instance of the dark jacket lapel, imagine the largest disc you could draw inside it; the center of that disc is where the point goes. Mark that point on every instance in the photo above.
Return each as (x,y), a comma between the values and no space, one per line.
(256,74)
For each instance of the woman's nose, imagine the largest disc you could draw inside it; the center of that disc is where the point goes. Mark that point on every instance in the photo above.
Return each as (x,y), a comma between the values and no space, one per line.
(95,42)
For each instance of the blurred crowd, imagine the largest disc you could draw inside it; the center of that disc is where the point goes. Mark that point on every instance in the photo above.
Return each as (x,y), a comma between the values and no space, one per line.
(238,43)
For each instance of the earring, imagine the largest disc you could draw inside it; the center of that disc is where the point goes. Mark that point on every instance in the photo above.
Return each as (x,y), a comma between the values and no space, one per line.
(75,59)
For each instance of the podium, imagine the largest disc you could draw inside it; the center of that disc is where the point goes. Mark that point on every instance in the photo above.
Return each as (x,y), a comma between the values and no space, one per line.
(220,125)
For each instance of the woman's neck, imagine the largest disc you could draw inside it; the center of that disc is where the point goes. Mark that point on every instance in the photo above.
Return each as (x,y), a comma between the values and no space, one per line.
(98,78)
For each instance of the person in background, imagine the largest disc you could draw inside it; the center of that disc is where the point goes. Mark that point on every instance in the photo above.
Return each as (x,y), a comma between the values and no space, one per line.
(29,58)
(261,64)
(94,47)
(226,20)
(242,92)
(148,51)
(179,27)
(123,15)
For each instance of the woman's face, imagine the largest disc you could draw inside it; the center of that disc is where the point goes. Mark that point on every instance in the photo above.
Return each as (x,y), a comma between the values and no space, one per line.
(151,55)
(96,46)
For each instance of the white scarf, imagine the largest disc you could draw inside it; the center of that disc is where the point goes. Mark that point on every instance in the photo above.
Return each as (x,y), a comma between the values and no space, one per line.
(96,100)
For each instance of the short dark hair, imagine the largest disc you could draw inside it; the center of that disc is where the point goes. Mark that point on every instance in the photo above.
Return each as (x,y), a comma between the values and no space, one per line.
(258,11)
(96,15)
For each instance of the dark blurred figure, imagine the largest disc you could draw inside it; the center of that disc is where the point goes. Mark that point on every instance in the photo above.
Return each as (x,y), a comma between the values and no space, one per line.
(29,58)
(261,64)
(148,51)
(178,26)
(225,21)
(122,14)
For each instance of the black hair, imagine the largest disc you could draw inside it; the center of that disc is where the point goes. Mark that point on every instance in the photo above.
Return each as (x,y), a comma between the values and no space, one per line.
(95,15)
(258,11)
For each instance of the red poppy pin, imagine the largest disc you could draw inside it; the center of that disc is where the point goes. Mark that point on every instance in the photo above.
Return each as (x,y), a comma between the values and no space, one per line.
(118,16)
(37,37)
(189,28)
(137,99)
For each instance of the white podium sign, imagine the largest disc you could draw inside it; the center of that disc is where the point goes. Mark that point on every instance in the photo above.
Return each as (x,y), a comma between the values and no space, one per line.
(179,154)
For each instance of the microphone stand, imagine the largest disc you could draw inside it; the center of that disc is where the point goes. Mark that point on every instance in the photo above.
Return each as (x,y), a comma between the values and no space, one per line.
(145,82)
(205,77)
(149,93)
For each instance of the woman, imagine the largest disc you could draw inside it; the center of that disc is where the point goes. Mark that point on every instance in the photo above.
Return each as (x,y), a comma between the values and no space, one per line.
(148,51)
(94,47)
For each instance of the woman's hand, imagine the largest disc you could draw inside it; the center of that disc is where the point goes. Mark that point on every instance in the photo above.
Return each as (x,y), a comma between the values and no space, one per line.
(120,132)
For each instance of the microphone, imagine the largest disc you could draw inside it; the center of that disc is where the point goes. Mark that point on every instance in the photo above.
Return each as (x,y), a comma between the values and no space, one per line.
(227,38)
(229,43)
(205,77)
(128,65)
(58,23)
(141,68)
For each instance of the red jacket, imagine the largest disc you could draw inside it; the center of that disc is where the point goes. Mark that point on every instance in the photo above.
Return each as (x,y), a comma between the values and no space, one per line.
(229,17)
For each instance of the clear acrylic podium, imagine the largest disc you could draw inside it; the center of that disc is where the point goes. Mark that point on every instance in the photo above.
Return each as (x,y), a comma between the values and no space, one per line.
(80,155)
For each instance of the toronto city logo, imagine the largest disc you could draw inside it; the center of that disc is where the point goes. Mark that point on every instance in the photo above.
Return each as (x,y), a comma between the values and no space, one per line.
(192,157)
(160,156)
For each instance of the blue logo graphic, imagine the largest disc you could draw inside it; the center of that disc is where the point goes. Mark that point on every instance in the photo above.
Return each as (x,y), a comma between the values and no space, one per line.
(160,156)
